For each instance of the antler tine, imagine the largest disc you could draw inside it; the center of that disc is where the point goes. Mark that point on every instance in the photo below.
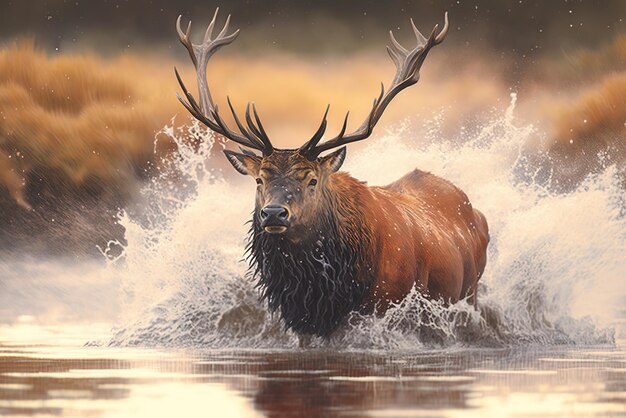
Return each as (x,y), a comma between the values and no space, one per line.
(345,125)
(250,141)
(184,39)
(251,124)
(394,56)
(225,28)
(396,44)
(367,126)
(418,35)
(191,105)
(431,38)
(264,138)
(207,112)
(442,35)
(209,29)
(216,124)
(193,112)
(311,143)
(408,64)
(242,128)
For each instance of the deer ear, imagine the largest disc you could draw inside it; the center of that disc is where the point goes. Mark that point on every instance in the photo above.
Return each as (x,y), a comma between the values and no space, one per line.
(244,163)
(333,162)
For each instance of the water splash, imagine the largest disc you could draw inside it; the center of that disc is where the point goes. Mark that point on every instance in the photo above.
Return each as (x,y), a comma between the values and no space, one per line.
(556,260)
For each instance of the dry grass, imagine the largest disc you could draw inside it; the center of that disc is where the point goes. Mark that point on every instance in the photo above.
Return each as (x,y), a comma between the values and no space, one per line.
(76,116)
(78,130)
(574,67)
(589,131)
(602,61)
(599,110)
(579,98)
(86,119)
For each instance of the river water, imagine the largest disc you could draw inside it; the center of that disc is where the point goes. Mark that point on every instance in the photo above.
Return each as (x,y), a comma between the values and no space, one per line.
(167,322)
(45,371)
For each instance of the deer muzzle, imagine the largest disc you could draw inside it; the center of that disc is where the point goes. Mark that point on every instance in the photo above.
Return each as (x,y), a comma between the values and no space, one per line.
(274,219)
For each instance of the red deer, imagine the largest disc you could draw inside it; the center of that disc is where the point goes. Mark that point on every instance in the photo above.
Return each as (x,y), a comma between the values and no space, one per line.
(322,243)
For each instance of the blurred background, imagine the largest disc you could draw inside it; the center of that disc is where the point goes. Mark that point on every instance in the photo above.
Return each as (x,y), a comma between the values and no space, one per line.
(86,87)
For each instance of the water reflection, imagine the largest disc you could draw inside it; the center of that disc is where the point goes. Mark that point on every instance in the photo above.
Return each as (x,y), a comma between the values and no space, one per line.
(71,381)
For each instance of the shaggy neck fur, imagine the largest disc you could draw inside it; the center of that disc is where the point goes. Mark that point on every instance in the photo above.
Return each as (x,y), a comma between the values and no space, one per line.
(315,282)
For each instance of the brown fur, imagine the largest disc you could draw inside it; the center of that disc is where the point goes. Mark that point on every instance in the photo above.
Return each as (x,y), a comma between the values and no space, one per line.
(425,233)
(419,231)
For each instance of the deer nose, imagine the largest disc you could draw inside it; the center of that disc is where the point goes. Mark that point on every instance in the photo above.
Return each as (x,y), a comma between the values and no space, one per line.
(279,213)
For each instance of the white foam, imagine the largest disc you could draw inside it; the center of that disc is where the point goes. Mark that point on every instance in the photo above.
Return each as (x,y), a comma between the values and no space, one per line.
(554,274)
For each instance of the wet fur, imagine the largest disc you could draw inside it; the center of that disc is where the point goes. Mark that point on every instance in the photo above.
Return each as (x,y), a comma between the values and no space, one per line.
(361,248)
(315,282)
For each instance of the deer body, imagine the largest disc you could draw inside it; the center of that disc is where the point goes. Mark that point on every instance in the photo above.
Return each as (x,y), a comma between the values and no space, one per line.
(379,243)
(430,237)
(324,244)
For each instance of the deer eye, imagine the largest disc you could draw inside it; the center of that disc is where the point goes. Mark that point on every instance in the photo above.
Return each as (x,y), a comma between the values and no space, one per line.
(259,181)
(313,182)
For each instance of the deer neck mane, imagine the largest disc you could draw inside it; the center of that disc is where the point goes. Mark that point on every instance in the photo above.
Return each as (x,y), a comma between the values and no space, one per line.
(315,282)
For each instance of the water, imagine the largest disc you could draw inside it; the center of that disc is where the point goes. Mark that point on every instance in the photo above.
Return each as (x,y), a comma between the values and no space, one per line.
(61,378)
(168,319)
(555,270)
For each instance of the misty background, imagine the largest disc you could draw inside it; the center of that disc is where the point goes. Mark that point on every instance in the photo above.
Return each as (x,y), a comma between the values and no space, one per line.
(521,29)
(86,86)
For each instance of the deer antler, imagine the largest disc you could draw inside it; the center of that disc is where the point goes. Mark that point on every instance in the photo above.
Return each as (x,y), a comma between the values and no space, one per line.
(408,64)
(207,112)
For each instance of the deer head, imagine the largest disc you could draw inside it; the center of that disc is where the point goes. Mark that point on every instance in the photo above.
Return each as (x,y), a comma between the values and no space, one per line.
(291,183)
